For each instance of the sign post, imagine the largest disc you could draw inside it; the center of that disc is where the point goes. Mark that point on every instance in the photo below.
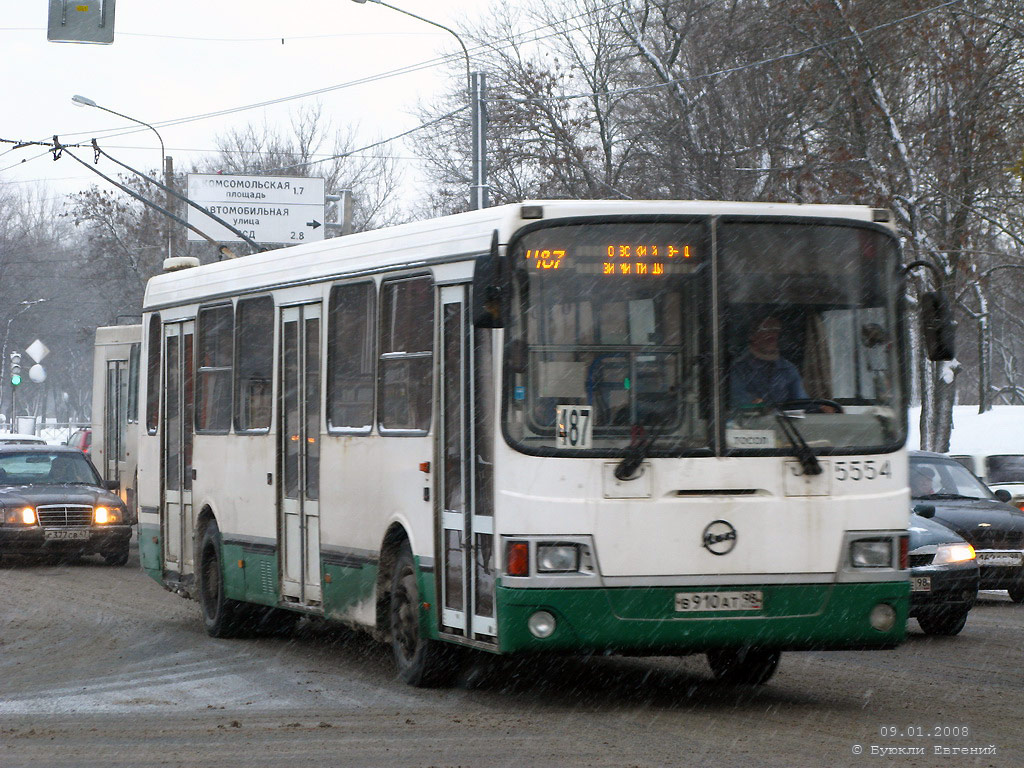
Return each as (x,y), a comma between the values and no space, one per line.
(268,209)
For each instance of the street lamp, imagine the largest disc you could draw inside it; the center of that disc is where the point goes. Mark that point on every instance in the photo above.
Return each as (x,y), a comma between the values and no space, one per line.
(83,101)
(475,84)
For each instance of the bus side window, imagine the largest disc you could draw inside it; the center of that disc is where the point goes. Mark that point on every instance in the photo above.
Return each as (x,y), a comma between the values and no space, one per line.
(405,377)
(351,356)
(214,339)
(153,374)
(254,363)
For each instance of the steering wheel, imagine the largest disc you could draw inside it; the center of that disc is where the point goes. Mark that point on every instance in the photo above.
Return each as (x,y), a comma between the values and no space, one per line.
(812,405)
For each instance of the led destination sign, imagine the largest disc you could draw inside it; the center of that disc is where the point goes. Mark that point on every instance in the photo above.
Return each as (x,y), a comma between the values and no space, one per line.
(625,259)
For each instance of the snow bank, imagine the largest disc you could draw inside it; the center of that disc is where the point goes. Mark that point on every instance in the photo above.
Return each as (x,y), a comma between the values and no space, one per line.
(1000,430)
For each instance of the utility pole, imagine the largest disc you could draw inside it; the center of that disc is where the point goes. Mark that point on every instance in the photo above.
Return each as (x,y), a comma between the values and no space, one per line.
(168,202)
(480,190)
(15,383)
(478,193)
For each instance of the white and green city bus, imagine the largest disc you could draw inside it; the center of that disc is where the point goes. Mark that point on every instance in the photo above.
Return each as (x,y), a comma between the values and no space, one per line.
(514,429)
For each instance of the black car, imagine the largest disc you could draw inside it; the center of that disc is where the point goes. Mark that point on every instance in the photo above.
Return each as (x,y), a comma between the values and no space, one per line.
(963,503)
(52,501)
(943,577)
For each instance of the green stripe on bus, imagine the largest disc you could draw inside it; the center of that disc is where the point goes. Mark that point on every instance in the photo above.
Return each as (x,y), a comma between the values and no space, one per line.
(150,551)
(796,617)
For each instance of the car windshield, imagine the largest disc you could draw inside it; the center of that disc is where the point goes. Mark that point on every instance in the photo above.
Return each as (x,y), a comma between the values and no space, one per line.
(41,468)
(938,478)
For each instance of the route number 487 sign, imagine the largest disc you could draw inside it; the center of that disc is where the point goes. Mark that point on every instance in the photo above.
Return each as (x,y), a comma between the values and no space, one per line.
(574,426)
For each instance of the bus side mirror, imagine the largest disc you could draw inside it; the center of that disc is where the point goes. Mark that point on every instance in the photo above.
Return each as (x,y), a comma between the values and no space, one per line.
(937,326)
(492,288)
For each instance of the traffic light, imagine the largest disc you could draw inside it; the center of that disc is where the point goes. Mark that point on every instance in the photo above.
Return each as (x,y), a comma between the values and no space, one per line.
(15,368)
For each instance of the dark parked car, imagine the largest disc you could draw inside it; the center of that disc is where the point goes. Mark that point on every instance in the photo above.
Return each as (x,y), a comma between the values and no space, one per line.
(943,577)
(963,503)
(52,501)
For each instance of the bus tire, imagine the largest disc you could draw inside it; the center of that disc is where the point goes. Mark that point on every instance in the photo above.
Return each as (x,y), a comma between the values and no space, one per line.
(743,666)
(221,616)
(421,662)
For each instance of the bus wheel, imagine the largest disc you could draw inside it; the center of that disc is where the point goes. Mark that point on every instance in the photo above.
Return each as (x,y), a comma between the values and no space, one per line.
(421,662)
(743,666)
(220,615)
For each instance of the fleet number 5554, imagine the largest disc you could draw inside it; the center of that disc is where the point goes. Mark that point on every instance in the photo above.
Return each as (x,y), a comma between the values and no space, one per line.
(856,470)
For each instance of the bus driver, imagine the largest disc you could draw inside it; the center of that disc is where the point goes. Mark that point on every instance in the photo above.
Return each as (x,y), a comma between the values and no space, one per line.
(761,374)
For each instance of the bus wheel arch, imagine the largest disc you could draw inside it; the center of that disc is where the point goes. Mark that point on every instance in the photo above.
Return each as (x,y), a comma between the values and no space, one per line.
(421,661)
(395,537)
(221,615)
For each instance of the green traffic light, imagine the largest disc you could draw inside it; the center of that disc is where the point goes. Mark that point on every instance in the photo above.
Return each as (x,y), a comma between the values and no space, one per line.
(15,379)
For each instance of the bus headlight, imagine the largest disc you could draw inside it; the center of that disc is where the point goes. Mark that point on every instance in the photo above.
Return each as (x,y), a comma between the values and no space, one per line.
(558,558)
(871,553)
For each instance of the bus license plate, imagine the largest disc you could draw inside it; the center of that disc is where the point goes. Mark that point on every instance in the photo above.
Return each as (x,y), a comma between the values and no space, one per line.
(65,535)
(920,583)
(693,602)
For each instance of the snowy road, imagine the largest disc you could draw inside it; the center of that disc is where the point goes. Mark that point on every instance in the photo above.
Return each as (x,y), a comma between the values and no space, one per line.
(101,667)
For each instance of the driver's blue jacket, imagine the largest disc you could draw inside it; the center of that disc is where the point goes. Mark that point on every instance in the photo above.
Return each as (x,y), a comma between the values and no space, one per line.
(752,380)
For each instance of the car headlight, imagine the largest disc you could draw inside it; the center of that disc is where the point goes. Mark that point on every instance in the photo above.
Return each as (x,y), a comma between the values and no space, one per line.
(106,515)
(953,553)
(19,516)
(871,553)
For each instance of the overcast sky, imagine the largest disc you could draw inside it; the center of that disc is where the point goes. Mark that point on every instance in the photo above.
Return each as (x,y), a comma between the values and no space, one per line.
(180,58)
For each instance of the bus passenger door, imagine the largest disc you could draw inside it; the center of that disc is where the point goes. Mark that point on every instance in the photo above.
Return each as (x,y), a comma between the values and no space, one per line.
(115,417)
(176,453)
(466,524)
(299,455)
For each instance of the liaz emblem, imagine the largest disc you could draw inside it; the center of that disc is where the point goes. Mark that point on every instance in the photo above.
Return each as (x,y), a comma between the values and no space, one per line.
(719,537)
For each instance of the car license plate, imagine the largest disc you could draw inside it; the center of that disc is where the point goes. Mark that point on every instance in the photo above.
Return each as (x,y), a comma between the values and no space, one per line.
(57,535)
(694,602)
(1000,558)
(920,583)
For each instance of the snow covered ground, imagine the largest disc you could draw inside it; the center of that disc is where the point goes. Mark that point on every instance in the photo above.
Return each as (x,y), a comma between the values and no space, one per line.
(1000,430)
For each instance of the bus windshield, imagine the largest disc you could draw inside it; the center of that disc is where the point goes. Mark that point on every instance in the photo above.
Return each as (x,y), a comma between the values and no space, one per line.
(615,324)
(610,338)
(808,313)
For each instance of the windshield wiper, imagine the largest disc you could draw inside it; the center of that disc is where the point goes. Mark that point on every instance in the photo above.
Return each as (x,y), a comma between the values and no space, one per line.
(801,449)
(636,453)
(947,496)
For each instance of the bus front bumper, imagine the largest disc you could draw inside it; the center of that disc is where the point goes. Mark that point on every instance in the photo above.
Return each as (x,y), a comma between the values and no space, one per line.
(644,620)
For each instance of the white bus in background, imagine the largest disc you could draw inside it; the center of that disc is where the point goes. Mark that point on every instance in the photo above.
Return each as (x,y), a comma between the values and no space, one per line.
(115,406)
(512,430)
